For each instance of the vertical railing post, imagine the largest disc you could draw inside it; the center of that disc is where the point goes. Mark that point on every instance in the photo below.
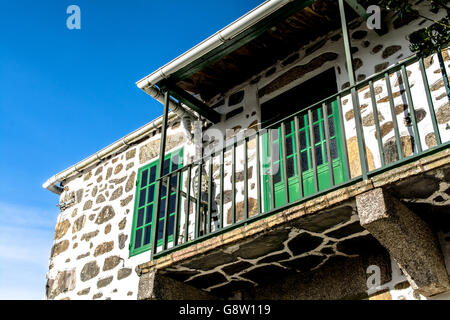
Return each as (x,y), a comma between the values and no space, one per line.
(354,94)
(377,123)
(394,116)
(430,102)
(258,172)
(299,158)
(177,210)
(328,142)
(199,199)
(412,111)
(343,138)
(210,191)
(222,180)
(271,170)
(233,180)
(188,204)
(282,141)
(166,214)
(444,74)
(313,150)
(245,180)
(162,149)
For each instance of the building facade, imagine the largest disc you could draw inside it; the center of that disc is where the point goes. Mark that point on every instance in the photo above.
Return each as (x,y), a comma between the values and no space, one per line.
(245,203)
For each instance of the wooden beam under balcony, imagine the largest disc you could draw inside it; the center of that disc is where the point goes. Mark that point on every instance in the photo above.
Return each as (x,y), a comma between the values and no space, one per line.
(192,102)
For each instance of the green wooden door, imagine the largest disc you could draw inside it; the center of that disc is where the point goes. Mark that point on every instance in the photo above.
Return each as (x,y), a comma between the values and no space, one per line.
(272,157)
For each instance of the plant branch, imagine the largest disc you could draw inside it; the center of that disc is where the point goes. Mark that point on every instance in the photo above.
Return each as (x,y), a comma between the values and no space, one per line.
(434,21)
(439,4)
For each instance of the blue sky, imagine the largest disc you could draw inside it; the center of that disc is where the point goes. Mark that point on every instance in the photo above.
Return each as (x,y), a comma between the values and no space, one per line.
(65,94)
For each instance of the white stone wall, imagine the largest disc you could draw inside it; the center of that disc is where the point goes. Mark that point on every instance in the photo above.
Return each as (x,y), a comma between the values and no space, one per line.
(90,257)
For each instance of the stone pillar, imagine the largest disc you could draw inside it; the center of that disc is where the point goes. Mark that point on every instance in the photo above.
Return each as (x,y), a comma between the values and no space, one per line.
(409,240)
(154,286)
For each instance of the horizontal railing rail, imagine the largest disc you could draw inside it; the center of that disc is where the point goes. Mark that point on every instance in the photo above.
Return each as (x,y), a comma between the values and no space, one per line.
(302,156)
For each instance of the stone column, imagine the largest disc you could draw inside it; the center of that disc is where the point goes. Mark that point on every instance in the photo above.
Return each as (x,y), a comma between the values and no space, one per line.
(409,240)
(154,286)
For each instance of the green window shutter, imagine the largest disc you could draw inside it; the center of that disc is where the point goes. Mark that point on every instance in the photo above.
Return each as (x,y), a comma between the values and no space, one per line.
(144,217)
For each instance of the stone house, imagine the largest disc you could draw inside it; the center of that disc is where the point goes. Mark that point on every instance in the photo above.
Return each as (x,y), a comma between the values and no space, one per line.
(246,203)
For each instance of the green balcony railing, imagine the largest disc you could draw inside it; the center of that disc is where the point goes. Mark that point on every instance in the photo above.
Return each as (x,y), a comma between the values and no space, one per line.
(304,155)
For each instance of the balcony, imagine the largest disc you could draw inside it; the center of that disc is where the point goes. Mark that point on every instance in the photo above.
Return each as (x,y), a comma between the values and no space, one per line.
(247,200)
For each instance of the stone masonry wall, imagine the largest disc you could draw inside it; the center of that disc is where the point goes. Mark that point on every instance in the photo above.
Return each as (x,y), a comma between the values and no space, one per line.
(90,256)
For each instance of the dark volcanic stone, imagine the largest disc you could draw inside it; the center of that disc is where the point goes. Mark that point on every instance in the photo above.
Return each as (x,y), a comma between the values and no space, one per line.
(234,113)
(207,280)
(304,264)
(303,243)
(389,51)
(390,149)
(270,72)
(105,214)
(358,245)
(380,67)
(358,35)
(236,267)
(290,59)
(235,98)
(123,273)
(122,239)
(89,271)
(263,245)
(104,282)
(209,261)
(346,231)
(327,251)
(111,262)
(181,275)
(324,220)
(336,37)
(315,47)
(275,257)
(357,63)
(403,20)
(218,104)
(266,273)
(377,48)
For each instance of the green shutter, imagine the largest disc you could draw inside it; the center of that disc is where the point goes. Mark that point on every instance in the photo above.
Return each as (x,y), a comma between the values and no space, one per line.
(144,212)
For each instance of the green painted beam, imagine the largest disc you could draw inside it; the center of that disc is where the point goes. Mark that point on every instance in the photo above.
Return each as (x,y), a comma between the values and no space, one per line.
(240,40)
(359,9)
(192,102)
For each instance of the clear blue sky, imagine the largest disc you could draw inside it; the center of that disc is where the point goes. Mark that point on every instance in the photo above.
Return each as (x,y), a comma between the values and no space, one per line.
(65,94)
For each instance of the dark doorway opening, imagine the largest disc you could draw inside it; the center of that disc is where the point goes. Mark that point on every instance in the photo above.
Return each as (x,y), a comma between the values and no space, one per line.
(299,97)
